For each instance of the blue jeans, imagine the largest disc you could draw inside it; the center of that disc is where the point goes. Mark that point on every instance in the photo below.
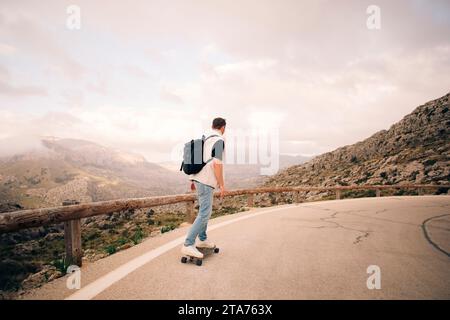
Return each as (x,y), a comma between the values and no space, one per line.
(205,201)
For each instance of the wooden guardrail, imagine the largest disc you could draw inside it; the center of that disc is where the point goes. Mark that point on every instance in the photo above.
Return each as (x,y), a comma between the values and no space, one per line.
(71,213)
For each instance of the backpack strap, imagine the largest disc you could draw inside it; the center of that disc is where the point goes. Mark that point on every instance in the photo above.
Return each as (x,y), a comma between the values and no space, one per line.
(213,135)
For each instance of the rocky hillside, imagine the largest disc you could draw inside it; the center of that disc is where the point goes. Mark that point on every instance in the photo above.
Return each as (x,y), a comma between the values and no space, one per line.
(413,150)
(80,170)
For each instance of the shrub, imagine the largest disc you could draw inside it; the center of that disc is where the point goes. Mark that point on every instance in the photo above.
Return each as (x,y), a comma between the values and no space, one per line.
(138,236)
(441,190)
(111,249)
(121,241)
(429,162)
(60,265)
(167,228)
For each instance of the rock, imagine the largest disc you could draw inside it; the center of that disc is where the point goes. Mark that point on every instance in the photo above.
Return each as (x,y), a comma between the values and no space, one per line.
(53,236)
(48,273)
(100,255)
(26,247)
(104,225)
(434,173)
(9,207)
(150,213)
(155,233)
(125,246)
(88,252)
(54,276)
(92,255)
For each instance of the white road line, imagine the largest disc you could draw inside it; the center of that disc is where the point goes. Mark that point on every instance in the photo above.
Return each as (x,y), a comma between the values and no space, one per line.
(97,286)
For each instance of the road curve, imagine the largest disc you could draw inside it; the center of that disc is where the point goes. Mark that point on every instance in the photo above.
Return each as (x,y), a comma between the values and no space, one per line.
(314,250)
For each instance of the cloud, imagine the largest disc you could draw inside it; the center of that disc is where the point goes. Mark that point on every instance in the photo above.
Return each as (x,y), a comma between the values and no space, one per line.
(151,132)
(19,144)
(99,87)
(145,75)
(169,96)
(31,36)
(9,89)
(20,91)
(136,71)
(6,49)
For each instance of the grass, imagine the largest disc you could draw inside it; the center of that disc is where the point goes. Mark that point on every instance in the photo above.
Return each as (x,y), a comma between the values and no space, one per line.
(138,236)
(60,265)
(111,249)
(167,228)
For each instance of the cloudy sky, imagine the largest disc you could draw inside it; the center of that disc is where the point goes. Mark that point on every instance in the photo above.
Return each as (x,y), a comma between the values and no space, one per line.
(144,76)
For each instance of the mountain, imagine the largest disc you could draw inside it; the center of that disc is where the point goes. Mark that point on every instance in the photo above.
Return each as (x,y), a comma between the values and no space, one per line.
(413,150)
(80,170)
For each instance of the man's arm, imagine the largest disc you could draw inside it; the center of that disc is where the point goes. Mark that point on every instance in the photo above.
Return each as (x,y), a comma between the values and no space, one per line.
(217,154)
(218,172)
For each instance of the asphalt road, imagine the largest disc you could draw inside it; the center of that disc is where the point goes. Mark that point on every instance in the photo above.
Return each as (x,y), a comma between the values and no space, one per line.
(316,250)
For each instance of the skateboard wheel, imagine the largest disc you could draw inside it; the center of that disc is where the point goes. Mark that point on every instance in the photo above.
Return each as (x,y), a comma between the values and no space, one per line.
(198,262)
(216,250)
(183,259)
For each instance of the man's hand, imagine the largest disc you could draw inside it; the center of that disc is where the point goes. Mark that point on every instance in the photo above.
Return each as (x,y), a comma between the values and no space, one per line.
(222,191)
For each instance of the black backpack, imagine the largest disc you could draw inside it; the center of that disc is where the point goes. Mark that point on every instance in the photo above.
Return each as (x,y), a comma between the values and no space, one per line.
(193,155)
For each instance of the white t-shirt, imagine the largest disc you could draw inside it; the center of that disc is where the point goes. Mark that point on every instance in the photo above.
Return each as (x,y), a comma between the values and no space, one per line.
(206,175)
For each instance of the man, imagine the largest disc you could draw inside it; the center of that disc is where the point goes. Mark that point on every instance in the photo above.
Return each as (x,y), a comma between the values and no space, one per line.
(209,178)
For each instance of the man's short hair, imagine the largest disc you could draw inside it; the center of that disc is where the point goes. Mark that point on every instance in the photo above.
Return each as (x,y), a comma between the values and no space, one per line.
(218,123)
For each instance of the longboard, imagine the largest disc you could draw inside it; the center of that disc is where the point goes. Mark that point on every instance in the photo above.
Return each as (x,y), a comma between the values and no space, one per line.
(199,261)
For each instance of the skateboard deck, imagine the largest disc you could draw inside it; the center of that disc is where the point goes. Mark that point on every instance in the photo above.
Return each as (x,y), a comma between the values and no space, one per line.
(199,261)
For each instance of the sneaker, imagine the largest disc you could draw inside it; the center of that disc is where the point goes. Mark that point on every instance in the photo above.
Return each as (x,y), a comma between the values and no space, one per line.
(205,244)
(191,251)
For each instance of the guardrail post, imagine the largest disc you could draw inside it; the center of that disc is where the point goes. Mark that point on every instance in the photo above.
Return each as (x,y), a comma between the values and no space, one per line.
(72,239)
(378,192)
(190,214)
(338,194)
(250,200)
(420,191)
(297,197)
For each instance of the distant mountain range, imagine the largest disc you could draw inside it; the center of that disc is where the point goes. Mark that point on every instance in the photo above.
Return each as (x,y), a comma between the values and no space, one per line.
(413,150)
(62,169)
(249,175)
(83,171)
(246,175)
